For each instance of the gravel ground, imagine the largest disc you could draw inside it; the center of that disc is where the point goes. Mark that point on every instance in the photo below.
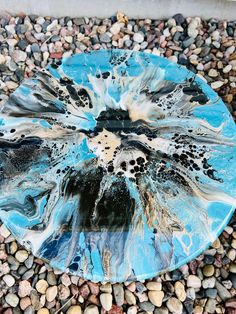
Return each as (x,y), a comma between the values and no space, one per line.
(205,285)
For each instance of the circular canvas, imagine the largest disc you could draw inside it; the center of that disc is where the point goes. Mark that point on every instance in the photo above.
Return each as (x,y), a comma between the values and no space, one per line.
(116,165)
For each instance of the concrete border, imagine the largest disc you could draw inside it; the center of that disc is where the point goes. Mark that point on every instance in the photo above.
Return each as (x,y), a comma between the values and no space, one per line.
(155,9)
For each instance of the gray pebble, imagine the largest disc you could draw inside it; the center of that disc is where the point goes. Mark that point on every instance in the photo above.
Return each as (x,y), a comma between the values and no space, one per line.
(105,38)
(147,306)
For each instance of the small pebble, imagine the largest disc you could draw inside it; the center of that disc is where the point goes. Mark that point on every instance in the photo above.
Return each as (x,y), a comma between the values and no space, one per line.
(174,306)
(74,309)
(21,255)
(51,293)
(156,297)
(12,299)
(106,301)
(193,281)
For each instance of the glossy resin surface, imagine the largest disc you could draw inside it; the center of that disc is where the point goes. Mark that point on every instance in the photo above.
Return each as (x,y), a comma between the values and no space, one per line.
(116,165)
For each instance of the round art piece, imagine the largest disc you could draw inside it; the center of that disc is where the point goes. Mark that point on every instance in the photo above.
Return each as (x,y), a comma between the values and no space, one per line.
(116,165)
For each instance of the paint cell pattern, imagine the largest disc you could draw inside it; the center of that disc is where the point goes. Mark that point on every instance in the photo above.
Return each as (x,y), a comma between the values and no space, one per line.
(116,165)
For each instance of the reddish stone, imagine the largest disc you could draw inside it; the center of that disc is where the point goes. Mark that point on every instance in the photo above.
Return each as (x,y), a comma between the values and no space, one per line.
(230,310)
(115,309)
(7,311)
(56,55)
(74,289)
(193,267)
(231,303)
(94,299)
(3,255)
(84,291)
(94,288)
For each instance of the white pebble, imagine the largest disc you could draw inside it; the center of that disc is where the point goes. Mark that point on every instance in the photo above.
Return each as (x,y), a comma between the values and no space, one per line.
(9,280)
(138,37)
(217,84)
(4,232)
(106,301)
(193,281)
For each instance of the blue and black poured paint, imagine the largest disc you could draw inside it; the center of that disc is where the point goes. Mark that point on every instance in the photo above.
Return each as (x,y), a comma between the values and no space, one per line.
(116,165)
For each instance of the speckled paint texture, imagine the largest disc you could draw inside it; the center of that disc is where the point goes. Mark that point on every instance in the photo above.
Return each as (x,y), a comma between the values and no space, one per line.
(116,165)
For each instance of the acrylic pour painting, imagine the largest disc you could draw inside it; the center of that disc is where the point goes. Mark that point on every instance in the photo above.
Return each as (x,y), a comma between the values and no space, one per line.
(116,165)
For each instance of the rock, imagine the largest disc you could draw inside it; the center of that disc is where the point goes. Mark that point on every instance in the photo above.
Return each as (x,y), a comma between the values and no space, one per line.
(180,291)
(35,300)
(193,281)
(233,243)
(161,310)
(91,309)
(24,303)
(223,293)
(227,68)
(51,293)
(213,73)
(43,310)
(187,42)
(65,279)
(130,298)
(9,280)
(19,56)
(208,270)
(188,304)
(232,278)
(210,306)
(179,19)
(217,84)
(51,279)
(11,85)
(119,294)
(209,283)
(115,309)
(193,27)
(63,292)
(211,293)
(106,288)
(140,287)
(231,303)
(74,309)
(205,51)
(41,286)
(122,18)
(2,59)
(4,269)
(209,259)
(12,299)
(174,306)
(56,55)
(115,29)
(84,291)
(138,37)
(106,301)
(69,39)
(156,297)
(227,284)
(4,232)
(147,306)
(78,21)
(105,38)
(132,310)
(232,268)
(153,285)
(216,244)
(29,310)
(198,309)
(94,288)
(21,255)
(24,288)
